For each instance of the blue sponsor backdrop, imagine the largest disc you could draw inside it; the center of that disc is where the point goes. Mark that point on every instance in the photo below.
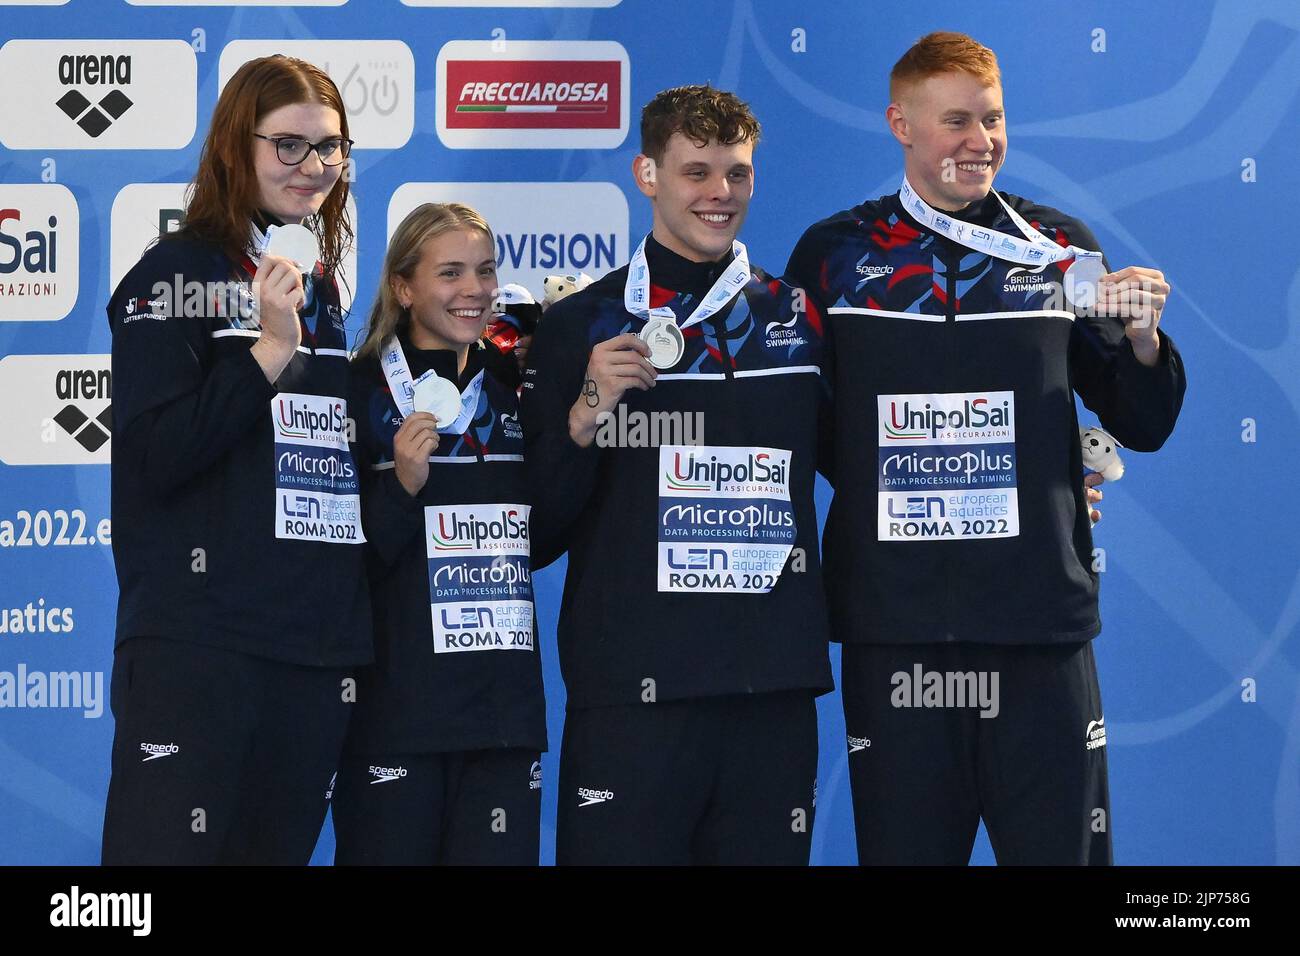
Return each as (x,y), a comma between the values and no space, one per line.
(1172,133)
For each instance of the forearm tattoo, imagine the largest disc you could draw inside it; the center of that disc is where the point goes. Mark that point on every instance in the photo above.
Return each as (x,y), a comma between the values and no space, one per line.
(590,392)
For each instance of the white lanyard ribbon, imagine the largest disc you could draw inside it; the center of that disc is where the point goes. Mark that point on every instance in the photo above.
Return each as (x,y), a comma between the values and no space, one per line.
(1035,249)
(402,386)
(636,291)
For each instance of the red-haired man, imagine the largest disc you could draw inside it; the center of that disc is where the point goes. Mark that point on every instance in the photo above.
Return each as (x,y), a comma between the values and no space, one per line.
(958,551)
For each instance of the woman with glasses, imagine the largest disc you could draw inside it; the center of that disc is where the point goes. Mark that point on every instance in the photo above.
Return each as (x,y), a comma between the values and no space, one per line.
(243,605)
(442,763)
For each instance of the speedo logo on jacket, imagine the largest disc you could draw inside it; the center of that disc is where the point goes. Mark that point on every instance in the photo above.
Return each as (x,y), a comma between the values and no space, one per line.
(588,796)
(761,473)
(154,751)
(475,526)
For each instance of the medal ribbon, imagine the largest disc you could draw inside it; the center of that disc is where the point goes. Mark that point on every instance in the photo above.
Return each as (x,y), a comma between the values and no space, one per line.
(1032,250)
(402,387)
(636,291)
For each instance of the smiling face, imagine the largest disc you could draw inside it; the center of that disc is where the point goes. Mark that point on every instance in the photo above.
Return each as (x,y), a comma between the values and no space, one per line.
(449,293)
(953,131)
(292,193)
(700,195)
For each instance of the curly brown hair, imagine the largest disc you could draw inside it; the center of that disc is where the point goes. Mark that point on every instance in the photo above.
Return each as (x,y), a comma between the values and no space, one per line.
(223,198)
(700,113)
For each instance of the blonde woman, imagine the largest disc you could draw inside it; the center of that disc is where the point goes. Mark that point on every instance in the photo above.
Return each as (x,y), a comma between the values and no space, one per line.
(442,764)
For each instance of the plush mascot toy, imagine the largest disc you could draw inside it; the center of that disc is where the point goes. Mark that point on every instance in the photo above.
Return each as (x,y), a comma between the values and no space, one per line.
(1101,455)
(514,315)
(561,287)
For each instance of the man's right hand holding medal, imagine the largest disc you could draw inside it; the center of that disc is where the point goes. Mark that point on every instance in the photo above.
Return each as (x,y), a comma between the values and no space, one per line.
(615,365)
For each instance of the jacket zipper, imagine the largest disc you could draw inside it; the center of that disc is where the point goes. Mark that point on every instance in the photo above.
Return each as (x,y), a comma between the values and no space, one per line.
(953,263)
(720,332)
(719,323)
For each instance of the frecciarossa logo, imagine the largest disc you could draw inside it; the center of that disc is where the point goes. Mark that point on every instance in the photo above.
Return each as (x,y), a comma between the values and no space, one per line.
(532,95)
(469,531)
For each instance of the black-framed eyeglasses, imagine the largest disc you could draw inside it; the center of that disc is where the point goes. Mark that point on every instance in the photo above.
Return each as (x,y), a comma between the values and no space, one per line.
(292,150)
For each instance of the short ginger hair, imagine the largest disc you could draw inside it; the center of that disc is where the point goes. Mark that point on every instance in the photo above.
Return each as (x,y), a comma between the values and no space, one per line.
(943,52)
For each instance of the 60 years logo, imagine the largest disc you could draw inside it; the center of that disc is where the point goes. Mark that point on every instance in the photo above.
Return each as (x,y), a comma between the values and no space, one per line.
(376,79)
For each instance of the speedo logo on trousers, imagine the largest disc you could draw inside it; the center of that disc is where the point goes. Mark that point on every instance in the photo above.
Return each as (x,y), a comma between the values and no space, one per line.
(589,796)
(154,751)
(386,774)
(857,744)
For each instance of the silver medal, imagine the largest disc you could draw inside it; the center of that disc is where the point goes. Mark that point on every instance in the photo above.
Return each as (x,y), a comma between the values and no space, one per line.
(439,397)
(1081,281)
(667,344)
(295,243)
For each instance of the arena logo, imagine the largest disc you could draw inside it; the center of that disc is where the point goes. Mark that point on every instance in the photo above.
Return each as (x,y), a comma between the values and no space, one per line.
(99,94)
(66,403)
(73,385)
(532,94)
(107,70)
(39,252)
(541,228)
(376,79)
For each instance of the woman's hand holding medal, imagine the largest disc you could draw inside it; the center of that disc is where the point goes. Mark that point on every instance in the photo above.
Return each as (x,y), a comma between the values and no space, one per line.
(414,442)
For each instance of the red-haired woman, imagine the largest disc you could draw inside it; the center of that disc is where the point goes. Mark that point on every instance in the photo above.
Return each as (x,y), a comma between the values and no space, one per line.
(243,607)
